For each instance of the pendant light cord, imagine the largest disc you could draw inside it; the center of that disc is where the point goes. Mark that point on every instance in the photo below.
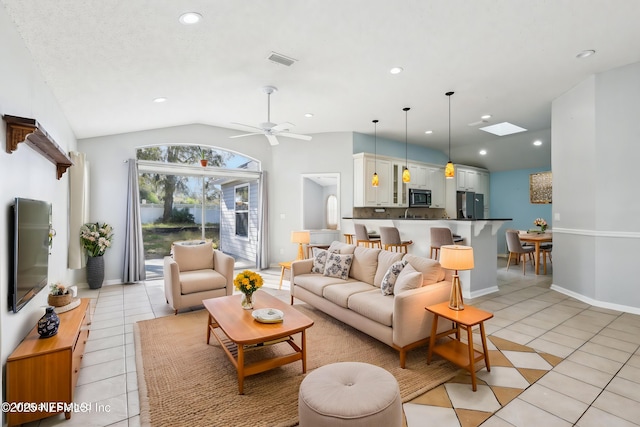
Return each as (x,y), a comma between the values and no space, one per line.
(406,157)
(449,95)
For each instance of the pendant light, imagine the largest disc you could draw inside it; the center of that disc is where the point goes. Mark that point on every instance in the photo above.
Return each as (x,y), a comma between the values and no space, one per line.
(406,175)
(449,171)
(374,178)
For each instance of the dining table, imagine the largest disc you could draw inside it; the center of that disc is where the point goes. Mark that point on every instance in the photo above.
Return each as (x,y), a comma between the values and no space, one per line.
(537,238)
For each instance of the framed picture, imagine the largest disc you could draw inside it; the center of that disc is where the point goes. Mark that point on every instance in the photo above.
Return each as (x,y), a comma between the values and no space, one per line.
(540,187)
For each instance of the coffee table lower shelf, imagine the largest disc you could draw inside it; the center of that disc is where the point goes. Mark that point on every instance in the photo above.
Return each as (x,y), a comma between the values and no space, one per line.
(236,354)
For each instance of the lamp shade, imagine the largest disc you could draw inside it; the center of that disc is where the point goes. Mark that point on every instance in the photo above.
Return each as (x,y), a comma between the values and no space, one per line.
(449,170)
(303,237)
(406,175)
(456,257)
(374,180)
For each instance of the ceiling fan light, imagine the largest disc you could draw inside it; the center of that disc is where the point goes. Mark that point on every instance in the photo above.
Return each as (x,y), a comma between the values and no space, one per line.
(449,170)
(374,180)
(406,175)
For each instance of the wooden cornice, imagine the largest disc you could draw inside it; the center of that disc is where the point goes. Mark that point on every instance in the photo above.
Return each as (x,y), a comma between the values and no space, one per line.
(21,129)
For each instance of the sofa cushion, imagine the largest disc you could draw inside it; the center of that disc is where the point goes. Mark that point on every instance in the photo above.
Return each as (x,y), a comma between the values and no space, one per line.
(365,263)
(342,248)
(319,260)
(315,283)
(385,259)
(338,265)
(373,305)
(391,276)
(193,257)
(408,279)
(201,280)
(339,294)
(432,271)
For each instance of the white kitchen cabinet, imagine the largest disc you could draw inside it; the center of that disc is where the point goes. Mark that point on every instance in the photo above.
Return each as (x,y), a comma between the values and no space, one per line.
(467,179)
(419,176)
(400,190)
(364,194)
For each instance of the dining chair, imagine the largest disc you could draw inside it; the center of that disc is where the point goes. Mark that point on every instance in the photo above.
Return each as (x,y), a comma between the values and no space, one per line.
(440,236)
(545,251)
(390,239)
(362,237)
(516,249)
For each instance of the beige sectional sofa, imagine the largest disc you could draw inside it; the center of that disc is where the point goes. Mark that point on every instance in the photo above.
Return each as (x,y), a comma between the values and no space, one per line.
(398,320)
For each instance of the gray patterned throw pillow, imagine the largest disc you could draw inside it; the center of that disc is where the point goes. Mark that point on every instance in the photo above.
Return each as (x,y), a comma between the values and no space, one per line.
(390,277)
(319,260)
(338,265)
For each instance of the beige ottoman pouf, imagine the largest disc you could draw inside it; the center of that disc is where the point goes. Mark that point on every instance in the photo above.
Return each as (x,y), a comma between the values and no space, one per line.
(349,394)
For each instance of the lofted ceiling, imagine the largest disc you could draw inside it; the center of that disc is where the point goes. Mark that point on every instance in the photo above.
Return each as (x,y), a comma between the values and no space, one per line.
(106,61)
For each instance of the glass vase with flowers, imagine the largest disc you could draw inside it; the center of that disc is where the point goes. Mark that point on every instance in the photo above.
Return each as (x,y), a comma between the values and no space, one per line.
(247,282)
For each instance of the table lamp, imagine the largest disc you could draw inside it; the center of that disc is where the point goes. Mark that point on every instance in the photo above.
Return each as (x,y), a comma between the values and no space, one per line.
(301,238)
(456,257)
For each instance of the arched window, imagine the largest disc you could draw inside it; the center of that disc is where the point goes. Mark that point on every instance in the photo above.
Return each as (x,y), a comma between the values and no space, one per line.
(332,212)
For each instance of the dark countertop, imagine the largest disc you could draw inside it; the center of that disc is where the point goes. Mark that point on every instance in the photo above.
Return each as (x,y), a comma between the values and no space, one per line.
(431,219)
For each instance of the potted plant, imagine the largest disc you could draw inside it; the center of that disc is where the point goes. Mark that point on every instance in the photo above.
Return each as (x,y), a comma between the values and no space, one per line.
(59,295)
(203,158)
(96,239)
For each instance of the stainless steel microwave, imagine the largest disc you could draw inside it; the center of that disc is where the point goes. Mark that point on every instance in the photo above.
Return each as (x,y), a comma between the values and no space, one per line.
(419,198)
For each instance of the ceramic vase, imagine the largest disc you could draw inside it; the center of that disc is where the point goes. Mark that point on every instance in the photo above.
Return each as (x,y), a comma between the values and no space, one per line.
(48,324)
(95,271)
(247,301)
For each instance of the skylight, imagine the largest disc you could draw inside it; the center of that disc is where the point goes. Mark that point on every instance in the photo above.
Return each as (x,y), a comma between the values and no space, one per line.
(502,129)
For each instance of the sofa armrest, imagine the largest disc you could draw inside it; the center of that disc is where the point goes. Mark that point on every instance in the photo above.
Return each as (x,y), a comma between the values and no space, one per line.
(224,264)
(411,322)
(302,266)
(171,272)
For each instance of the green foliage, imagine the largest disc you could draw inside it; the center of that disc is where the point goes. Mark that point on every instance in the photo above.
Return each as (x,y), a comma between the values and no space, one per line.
(179,216)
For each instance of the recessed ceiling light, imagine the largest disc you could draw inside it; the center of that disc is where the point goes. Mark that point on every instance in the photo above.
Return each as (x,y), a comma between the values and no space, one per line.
(502,129)
(189,18)
(486,117)
(585,53)
(396,70)
(160,100)
(428,132)
(537,143)
(483,152)
(308,115)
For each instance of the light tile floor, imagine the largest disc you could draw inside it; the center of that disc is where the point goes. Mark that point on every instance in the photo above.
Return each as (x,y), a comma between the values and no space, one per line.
(577,364)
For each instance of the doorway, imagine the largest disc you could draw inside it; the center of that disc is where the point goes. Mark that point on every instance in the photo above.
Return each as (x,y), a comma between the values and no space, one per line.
(321,206)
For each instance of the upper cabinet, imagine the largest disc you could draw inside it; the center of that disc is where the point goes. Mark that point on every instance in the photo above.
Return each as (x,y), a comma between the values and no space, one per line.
(365,194)
(436,183)
(467,179)
(419,176)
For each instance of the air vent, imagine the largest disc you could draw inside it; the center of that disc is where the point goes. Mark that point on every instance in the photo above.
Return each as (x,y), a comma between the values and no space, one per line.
(281,59)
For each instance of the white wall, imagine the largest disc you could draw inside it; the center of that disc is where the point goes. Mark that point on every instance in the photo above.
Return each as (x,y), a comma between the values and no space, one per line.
(284,163)
(25,173)
(594,157)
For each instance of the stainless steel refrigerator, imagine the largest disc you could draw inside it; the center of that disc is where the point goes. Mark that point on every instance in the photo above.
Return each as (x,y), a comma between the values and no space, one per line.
(470,205)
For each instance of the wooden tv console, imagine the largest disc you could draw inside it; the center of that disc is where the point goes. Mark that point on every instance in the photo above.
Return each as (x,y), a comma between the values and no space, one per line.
(42,372)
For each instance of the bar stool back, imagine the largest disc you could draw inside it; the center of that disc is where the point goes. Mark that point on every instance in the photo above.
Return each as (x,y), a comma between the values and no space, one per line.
(390,238)
(439,236)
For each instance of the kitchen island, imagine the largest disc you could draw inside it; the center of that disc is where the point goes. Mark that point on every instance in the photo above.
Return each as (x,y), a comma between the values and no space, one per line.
(480,234)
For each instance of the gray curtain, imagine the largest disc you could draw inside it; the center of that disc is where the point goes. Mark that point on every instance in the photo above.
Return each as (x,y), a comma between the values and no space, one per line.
(78,207)
(262,253)
(133,248)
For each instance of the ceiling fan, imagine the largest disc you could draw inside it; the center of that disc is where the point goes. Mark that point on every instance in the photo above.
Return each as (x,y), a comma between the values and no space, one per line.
(268,129)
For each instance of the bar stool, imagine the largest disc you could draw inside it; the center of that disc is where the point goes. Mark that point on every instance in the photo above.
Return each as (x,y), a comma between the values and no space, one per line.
(439,236)
(362,236)
(390,239)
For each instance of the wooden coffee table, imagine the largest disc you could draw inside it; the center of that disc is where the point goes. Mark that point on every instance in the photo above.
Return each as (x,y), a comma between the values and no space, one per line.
(244,332)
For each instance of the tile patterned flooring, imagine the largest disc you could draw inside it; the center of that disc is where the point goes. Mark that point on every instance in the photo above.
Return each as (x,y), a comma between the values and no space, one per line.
(555,361)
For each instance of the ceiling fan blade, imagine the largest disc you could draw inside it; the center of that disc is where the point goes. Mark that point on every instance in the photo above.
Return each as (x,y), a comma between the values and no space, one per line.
(282,126)
(295,135)
(272,139)
(248,126)
(246,134)
(478,123)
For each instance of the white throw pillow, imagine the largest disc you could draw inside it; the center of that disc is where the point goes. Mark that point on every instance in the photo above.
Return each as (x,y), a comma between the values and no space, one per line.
(391,276)
(319,260)
(408,279)
(338,265)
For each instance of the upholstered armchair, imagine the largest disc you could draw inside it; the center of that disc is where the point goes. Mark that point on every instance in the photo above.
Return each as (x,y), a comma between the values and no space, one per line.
(196,272)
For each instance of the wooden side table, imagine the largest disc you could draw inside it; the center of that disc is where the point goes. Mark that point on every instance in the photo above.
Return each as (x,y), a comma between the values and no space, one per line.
(286,265)
(456,351)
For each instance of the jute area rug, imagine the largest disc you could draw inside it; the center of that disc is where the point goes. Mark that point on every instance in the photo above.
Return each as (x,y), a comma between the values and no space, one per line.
(184,381)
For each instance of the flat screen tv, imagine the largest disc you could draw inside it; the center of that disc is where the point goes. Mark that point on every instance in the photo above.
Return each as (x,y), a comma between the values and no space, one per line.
(30,250)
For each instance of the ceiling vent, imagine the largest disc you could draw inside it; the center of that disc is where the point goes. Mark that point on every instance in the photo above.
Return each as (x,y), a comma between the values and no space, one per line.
(281,59)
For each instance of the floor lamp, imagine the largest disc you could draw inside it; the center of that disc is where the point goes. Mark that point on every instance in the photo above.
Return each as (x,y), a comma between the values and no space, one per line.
(457,258)
(301,238)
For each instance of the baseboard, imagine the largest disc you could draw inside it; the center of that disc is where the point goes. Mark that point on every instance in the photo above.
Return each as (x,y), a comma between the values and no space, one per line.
(596,303)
